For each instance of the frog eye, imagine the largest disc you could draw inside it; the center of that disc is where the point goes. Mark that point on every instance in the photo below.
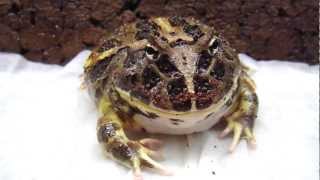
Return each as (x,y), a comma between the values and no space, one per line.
(151,52)
(214,45)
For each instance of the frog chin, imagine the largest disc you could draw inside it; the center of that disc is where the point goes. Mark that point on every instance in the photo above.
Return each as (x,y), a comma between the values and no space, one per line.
(192,124)
(165,125)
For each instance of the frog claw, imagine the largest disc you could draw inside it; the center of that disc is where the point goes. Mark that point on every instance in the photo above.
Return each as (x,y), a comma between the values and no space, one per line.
(237,131)
(240,131)
(137,176)
(155,166)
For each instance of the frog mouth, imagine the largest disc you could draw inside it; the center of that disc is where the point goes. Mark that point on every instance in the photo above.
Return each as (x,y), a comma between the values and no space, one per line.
(171,114)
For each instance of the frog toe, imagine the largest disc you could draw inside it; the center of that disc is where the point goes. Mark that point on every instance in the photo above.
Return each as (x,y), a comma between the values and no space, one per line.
(240,131)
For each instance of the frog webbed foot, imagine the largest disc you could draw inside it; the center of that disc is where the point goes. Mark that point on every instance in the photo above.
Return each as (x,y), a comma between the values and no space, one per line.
(241,121)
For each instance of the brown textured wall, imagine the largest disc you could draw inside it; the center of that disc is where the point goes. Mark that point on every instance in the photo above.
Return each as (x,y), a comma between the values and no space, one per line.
(54,31)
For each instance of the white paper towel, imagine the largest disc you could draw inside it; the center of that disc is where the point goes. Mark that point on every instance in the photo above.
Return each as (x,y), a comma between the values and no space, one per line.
(47,128)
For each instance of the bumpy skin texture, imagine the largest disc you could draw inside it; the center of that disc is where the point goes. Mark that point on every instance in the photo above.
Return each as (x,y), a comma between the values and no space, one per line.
(167,75)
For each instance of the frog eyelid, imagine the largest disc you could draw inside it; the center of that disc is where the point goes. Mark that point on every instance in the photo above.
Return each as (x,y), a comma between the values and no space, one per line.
(213,45)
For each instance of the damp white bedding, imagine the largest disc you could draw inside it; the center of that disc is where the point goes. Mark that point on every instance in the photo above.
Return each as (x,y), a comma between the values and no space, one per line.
(48,128)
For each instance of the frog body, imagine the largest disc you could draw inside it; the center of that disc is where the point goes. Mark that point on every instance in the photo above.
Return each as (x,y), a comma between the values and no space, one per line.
(167,75)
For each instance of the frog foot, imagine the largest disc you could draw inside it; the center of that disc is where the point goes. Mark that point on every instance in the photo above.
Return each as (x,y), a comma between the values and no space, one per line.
(241,120)
(147,151)
(240,130)
(137,154)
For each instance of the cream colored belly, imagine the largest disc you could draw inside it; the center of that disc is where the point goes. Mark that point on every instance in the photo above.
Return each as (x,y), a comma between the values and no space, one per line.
(164,125)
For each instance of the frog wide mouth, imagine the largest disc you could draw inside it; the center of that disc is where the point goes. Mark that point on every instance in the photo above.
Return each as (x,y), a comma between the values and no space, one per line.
(149,108)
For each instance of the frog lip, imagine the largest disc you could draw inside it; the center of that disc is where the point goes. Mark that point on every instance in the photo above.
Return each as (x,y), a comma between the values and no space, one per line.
(170,114)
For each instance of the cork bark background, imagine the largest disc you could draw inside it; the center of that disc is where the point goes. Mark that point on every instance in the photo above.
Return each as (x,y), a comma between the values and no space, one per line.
(54,31)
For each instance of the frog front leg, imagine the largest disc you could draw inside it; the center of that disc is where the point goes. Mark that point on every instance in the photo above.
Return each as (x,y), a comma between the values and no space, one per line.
(133,154)
(241,120)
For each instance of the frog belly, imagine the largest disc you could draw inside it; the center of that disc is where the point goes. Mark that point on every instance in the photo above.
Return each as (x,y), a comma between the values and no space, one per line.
(178,126)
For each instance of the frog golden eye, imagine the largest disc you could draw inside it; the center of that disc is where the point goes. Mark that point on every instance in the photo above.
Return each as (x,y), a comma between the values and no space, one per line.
(151,52)
(214,46)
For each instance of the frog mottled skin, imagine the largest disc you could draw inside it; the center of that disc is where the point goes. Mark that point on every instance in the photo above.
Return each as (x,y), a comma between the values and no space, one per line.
(171,76)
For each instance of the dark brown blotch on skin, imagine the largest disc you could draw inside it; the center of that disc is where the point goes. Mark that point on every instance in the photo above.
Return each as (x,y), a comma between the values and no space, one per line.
(99,70)
(134,58)
(209,115)
(176,120)
(128,81)
(193,30)
(134,110)
(179,97)
(107,131)
(218,71)
(141,93)
(175,123)
(146,30)
(160,97)
(204,91)
(152,115)
(121,151)
(165,65)
(177,86)
(177,21)
(203,102)
(182,105)
(150,78)
(202,84)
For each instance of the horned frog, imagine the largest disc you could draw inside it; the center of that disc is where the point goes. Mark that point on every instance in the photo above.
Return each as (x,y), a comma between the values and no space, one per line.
(171,76)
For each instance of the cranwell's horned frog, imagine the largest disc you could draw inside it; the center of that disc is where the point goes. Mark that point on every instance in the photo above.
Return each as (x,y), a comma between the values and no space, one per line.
(170,76)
